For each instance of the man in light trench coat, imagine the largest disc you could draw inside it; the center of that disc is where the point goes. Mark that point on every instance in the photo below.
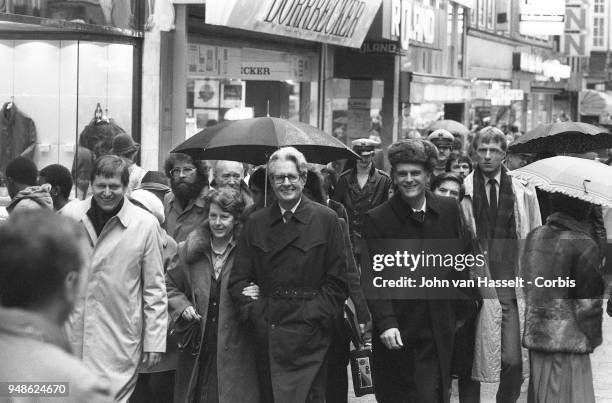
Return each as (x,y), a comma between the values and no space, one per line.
(121,317)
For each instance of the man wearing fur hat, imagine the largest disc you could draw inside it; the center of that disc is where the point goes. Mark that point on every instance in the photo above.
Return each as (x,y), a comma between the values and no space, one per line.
(413,339)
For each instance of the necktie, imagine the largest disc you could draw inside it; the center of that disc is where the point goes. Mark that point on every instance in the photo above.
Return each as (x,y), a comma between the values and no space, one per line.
(419,215)
(287,215)
(492,200)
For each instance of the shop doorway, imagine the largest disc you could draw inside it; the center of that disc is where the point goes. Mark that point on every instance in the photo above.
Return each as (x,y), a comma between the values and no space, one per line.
(276,93)
(454,112)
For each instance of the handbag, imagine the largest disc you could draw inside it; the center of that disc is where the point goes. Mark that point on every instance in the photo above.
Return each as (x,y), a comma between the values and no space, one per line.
(187,335)
(360,358)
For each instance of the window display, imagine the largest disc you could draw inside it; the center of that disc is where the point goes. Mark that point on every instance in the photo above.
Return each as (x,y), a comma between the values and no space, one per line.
(58,89)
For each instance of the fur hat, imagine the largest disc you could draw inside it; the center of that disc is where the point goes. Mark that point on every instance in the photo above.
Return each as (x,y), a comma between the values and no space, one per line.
(413,151)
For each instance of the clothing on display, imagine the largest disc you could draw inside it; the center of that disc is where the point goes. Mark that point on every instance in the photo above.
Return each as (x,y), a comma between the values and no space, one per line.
(17,135)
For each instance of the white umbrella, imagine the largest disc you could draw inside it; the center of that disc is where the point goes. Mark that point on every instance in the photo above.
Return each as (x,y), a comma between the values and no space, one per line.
(583,179)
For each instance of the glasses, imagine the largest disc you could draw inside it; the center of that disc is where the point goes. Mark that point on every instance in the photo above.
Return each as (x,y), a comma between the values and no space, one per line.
(176,172)
(280,179)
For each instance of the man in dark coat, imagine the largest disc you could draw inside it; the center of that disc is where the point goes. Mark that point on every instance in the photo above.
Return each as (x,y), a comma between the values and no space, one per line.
(361,189)
(413,339)
(294,251)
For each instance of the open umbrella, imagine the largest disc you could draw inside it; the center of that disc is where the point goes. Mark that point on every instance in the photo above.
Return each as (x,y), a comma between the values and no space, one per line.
(450,125)
(563,137)
(254,140)
(583,179)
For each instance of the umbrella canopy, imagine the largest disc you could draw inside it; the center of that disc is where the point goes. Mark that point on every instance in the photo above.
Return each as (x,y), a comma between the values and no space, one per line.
(563,137)
(583,179)
(450,125)
(254,140)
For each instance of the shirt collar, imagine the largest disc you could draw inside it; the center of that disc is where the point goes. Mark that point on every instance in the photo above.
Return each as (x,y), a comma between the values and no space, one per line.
(496,177)
(282,210)
(423,207)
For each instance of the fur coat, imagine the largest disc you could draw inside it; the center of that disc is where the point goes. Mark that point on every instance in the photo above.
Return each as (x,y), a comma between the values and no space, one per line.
(562,319)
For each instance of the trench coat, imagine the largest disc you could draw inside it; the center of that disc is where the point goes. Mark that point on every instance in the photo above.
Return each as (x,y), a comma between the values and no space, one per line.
(26,339)
(189,277)
(122,311)
(443,220)
(301,272)
(487,350)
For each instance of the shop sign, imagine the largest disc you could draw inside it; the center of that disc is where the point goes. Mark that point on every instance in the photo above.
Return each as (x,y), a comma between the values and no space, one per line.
(380,48)
(412,21)
(248,64)
(338,22)
(548,69)
(541,17)
(575,39)
(359,103)
(426,92)
(504,96)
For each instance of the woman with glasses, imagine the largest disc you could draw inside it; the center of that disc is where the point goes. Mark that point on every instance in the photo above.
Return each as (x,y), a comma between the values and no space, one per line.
(221,355)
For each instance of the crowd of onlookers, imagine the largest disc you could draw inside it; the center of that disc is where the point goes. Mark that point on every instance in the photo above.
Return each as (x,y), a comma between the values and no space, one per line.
(223,282)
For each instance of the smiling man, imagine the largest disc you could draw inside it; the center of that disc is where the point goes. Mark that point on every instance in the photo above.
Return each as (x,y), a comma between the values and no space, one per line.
(121,317)
(412,339)
(501,210)
(294,251)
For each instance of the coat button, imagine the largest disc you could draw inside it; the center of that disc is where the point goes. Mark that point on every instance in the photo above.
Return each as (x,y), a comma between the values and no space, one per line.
(226,348)
(273,326)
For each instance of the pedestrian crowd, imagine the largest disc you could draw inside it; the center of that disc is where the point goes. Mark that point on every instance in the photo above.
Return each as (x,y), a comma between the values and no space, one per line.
(222,282)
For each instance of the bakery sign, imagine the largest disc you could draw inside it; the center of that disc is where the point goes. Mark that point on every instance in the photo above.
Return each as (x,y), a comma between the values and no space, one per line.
(338,22)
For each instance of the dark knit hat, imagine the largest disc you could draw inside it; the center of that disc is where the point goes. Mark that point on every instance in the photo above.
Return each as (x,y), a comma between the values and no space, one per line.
(413,151)
(124,144)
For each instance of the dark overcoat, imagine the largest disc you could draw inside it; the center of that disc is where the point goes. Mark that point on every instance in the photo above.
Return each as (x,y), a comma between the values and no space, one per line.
(393,220)
(190,278)
(300,268)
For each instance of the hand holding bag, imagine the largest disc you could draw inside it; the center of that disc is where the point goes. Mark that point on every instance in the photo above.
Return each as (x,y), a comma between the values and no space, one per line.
(360,358)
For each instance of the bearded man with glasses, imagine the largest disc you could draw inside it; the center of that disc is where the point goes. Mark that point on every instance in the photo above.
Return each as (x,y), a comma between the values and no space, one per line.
(185,207)
(294,251)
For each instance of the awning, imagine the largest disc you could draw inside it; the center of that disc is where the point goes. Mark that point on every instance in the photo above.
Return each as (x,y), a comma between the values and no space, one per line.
(595,103)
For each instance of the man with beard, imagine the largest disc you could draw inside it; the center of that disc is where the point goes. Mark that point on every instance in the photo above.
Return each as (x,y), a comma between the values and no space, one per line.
(185,206)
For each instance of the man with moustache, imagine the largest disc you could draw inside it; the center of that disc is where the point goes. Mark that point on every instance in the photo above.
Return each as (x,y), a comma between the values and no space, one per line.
(501,210)
(412,340)
(294,251)
(120,320)
(443,140)
(185,206)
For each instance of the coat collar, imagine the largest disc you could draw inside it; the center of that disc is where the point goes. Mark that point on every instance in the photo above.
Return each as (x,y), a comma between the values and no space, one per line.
(303,213)
(403,209)
(565,221)
(30,325)
(197,243)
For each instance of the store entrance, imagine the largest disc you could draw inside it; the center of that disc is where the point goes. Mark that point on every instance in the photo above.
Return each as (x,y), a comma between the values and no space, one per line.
(259,93)
(454,111)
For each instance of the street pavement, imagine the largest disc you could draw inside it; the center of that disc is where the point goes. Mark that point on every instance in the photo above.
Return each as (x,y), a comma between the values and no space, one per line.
(601,361)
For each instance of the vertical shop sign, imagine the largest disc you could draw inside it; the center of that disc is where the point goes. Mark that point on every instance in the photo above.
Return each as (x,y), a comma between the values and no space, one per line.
(410,21)
(575,40)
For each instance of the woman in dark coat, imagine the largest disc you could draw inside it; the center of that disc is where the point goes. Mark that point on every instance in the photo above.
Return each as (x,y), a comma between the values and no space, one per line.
(563,321)
(223,370)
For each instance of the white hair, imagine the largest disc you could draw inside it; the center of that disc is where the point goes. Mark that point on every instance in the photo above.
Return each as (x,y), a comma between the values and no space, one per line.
(290,154)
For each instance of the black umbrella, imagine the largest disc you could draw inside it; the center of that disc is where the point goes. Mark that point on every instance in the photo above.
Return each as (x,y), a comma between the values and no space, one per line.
(254,140)
(563,137)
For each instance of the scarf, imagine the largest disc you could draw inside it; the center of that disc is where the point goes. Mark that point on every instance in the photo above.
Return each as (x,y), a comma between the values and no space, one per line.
(499,236)
(99,217)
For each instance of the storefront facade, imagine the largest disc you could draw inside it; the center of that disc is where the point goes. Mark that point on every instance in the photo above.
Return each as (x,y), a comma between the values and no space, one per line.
(61,63)
(239,60)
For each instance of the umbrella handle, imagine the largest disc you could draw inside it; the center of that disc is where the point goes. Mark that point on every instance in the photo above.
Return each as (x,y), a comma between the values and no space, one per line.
(584,182)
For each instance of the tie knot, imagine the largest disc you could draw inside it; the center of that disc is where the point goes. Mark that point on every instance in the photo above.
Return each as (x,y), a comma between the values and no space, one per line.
(493,182)
(287,215)
(419,215)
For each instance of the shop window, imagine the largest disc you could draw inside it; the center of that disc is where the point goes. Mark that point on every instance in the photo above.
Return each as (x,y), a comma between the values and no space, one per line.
(125,14)
(59,86)
(229,83)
